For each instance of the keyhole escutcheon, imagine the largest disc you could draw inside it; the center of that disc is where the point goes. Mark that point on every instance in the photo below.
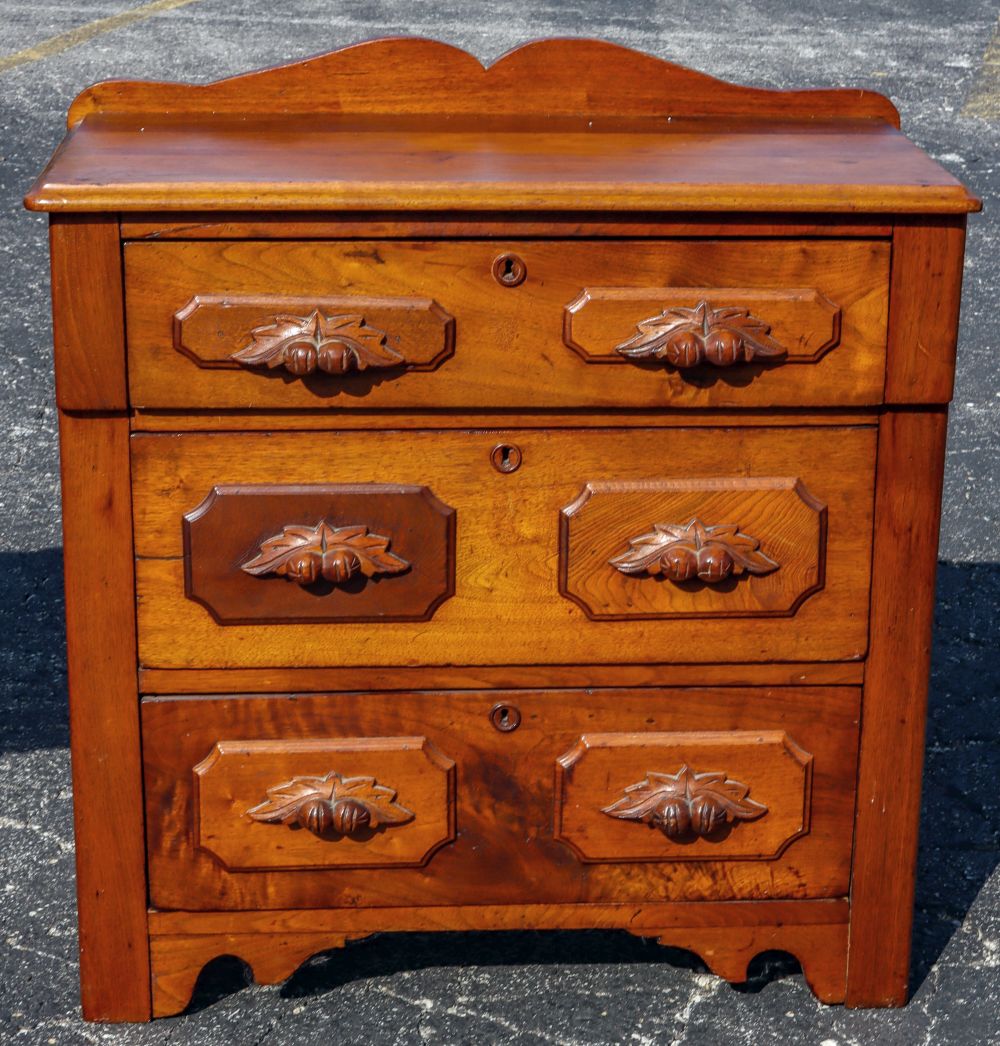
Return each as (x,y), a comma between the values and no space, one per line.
(506,457)
(505,717)
(509,270)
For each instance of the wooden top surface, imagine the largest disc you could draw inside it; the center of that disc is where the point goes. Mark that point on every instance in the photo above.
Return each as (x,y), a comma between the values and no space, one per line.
(408,124)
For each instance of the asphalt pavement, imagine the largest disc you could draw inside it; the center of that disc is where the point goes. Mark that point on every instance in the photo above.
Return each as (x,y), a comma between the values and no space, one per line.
(940,63)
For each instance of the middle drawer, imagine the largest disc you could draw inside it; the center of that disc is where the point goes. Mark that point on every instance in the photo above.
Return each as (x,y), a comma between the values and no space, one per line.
(650,545)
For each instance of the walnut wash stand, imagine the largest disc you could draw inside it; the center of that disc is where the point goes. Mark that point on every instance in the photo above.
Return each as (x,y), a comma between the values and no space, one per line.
(497,498)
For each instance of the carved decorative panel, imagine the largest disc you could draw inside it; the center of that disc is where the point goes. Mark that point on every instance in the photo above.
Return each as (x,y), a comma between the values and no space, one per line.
(318,339)
(331,806)
(709,328)
(686,804)
(307,555)
(317,342)
(279,805)
(363,552)
(694,552)
(748,798)
(750,547)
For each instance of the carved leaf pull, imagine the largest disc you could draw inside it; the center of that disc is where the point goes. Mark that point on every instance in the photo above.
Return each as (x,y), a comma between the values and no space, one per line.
(687,338)
(304,344)
(686,804)
(332,805)
(306,554)
(684,553)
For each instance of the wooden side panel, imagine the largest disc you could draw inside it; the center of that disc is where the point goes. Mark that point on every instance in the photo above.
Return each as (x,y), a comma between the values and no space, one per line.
(104,718)
(925,295)
(87,312)
(907,514)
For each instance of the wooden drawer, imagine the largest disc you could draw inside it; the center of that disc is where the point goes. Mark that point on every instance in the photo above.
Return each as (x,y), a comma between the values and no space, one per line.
(543,569)
(696,323)
(403,798)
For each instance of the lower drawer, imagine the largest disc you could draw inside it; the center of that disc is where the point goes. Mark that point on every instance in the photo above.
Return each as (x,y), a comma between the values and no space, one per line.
(491,797)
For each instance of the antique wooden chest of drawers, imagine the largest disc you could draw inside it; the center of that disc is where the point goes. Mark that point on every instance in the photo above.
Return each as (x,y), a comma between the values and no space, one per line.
(497,498)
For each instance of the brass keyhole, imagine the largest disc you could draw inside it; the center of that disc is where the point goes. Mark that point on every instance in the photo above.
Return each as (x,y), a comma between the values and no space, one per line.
(509,270)
(505,718)
(506,457)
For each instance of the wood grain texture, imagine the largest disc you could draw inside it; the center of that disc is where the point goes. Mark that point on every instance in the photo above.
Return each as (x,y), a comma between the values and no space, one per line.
(408,776)
(507,608)
(505,850)
(644,919)
(361,552)
(216,225)
(177,961)
(513,332)
(728,952)
(330,418)
(469,676)
(907,516)
(927,266)
(820,948)
(625,524)
(104,718)
(684,328)
(612,128)
(708,795)
(87,311)
(553,77)
(726,935)
(229,331)
(200,163)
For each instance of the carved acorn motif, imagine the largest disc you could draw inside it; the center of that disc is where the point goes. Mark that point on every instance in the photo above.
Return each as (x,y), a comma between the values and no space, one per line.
(687,338)
(715,564)
(349,816)
(680,553)
(316,815)
(686,804)
(331,344)
(305,554)
(300,358)
(331,805)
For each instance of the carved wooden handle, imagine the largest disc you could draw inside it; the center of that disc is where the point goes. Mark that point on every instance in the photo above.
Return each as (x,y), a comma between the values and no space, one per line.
(306,554)
(683,553)
(686,804)
(690,337)
(304,344)
(332,805)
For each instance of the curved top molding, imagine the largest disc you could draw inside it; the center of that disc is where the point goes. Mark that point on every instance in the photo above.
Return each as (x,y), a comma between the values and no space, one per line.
(561,77)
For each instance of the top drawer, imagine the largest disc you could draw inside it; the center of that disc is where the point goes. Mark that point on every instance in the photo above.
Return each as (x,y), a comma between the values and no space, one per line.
(518,324)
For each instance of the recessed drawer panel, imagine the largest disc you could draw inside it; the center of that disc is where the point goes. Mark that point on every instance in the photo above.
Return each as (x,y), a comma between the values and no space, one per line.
(756,323)
(432,798)
(569,546)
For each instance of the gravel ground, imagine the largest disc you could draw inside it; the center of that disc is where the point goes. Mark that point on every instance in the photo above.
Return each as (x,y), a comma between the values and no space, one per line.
(939,66)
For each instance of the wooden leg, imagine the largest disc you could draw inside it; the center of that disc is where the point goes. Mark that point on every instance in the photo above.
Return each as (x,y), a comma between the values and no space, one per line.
(727,951)
(894,705)
(177,961)
(104,718)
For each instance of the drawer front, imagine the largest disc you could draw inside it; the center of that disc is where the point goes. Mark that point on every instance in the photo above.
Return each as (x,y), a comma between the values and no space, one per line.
(603,546)
(606,324)
(396,798)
